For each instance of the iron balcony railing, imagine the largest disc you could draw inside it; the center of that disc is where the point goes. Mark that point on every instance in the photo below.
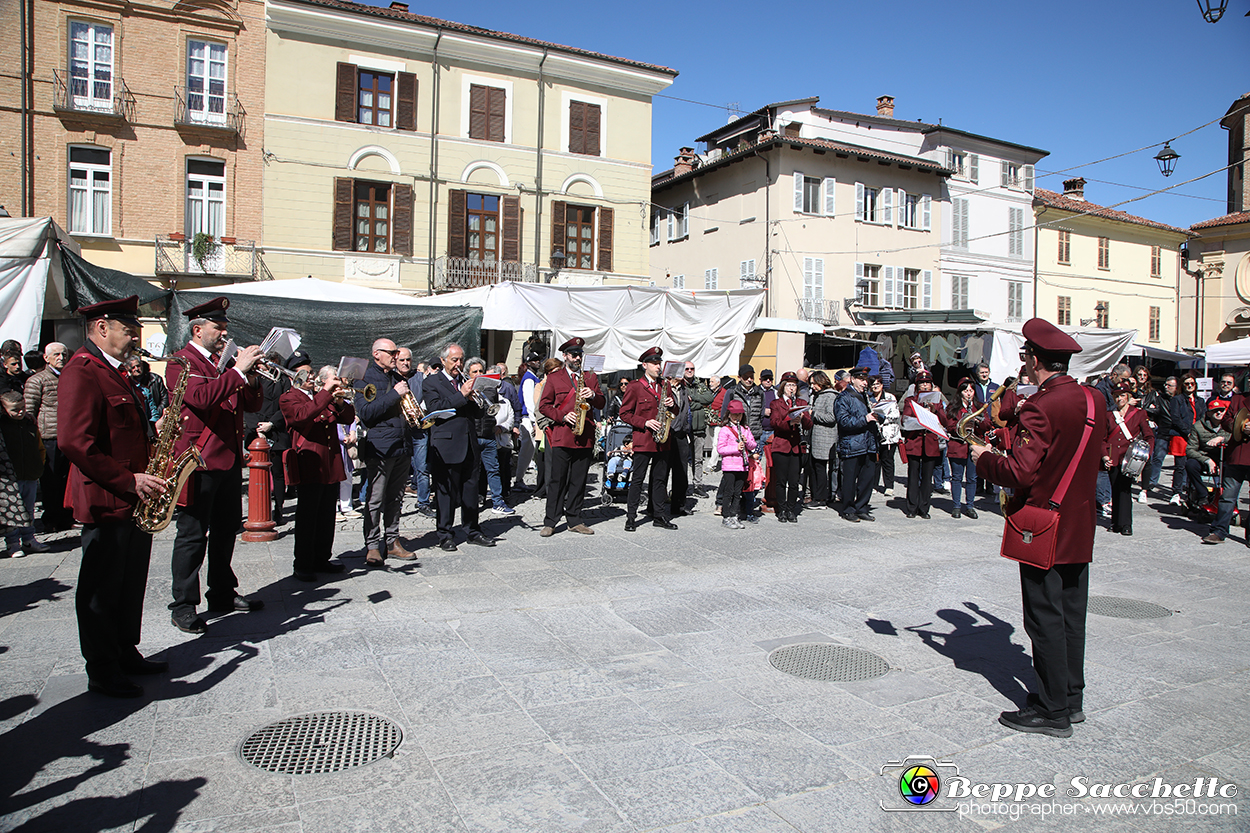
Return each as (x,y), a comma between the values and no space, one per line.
(229,258)
(820,310)
(214,112)
(108,98)
(452,273)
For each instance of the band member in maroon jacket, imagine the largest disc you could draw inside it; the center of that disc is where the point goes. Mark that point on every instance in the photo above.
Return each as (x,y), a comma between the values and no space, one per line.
(314,462)
(787,446)
(1051,425)
(640,408)
(1236,467)
(571,452)
(963,471)
(923,451)
(212,507)
(104,433)
(1124,425)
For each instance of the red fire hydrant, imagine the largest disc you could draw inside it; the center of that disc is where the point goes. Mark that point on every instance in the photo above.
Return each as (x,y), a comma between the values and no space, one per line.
(260,525)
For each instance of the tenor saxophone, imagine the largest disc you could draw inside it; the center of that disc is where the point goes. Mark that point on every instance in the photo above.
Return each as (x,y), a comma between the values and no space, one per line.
(154,514)
(666,419)
(583,408)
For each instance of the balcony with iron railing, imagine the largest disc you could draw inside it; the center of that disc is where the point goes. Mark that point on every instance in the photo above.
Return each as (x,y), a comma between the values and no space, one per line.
(106,98)
(453,273)
(208,111)
(818,310)
(227,257)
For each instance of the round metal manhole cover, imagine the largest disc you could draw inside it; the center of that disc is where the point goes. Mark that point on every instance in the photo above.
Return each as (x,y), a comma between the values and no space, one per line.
(312,744)
(828,663)
(1126,608)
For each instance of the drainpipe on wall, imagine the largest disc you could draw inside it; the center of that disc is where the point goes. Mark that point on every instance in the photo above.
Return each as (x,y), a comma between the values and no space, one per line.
(538,173)
(1178,299)
(433,220)
(1036,231)
(768,241)
(25,151)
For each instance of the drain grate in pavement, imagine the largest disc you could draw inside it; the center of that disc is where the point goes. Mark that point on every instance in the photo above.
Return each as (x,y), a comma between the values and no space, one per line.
(1126,608)
(828,663)
(312,744)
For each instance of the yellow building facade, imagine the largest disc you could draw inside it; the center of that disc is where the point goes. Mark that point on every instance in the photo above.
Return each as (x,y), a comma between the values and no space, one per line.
(421,155)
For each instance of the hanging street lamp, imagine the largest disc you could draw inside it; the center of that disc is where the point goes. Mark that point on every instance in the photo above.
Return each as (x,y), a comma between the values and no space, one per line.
(1212,10)
(1167,159)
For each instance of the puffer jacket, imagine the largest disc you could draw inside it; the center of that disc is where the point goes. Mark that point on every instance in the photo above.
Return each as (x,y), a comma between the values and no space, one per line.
(824,424)
(752,400)
(40,396)
(1199,435)
(855,434)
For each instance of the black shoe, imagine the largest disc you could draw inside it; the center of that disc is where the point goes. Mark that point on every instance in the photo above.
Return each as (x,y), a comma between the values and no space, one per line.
(864,516)
(955,514)
(971,513)
(1028,720)
(482,540)
(1114,529)
(332,567)
(138,664)
(1126,531)
(1076,716)
(663,524)
(304,575)
(909,514)
(115,686)
(852,518)
(238,603)
(447,546)
(924,515)
(631,525)
(188,621)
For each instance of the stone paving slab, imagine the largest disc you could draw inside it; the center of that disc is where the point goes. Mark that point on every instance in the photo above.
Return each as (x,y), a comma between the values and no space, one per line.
(621,683)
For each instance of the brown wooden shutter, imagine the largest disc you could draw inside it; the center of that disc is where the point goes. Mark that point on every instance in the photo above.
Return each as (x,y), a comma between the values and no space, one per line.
(406,102)
(477,111)
(401,228)
(457,218)
(345,93)
(511,229)
(591,147)
(558,220)
(498,108)
(343,189)
(577,127)
(605,239)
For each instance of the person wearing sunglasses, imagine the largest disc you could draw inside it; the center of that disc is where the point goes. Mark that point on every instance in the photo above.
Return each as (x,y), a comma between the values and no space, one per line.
(1187,407)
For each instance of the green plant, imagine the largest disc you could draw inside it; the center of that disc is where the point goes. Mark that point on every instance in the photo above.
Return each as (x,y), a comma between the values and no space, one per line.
(203,246)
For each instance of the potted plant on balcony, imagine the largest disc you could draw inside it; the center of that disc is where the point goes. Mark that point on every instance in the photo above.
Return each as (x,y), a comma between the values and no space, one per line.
(203,247)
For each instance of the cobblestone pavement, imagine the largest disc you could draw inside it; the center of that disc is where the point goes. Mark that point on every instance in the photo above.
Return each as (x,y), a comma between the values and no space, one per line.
(622,682)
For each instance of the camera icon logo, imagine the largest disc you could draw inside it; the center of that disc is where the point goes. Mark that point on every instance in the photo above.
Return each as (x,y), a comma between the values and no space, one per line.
(919,784)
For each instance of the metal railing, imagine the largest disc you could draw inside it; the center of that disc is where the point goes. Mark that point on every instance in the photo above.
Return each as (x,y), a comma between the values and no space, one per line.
(237,259)
(452,273)
(120,104)
(232,118)
(820,310)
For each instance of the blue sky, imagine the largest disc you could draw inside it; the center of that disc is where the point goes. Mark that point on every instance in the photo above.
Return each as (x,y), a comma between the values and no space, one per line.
(1083,80)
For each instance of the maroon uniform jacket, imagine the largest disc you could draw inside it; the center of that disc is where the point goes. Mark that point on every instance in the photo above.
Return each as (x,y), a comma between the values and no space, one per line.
(922,443)
(104,434)
(315,454)
(787,434)
(1116,444)
(641,403)
(1051,423)
(556,401)
(1238,453)
(216,400)
(957,449)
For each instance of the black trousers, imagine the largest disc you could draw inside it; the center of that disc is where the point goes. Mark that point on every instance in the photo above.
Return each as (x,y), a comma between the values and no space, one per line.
(315,508)
(787,468)
(679,465)
(455,484)
(208,526)
(1121,499)
(820,480)
(109,599)
(52,484)
(657,463)
(731,483)
(885,460)
(505,473)
(566,490)
(920,483)
(1055,603)
(858,475)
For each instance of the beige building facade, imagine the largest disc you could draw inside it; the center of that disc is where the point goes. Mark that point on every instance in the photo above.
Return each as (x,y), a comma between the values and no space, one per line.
(142,130)
(422,155)
(1104,268)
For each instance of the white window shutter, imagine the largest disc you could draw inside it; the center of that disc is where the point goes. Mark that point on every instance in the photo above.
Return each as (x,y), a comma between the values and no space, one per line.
(1006,172)
(859,276)
(888,281)
(828,189)
(798,192)
(818,277)
(685,220)
(926,213)
(974,167)
(859,201)
(967,229)
(672,219)
(886,215)
(1028,178)
(742,273)
(902,208)
(950,158)
(927,289)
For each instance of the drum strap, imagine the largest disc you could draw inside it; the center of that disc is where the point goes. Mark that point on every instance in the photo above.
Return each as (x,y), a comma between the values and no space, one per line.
(1119,418)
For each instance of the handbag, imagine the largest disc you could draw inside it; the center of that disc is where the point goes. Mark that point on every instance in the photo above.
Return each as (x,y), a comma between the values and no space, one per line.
(1031,533)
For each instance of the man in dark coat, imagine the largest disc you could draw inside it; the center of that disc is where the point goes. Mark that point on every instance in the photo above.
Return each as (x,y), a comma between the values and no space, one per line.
(1052,423)
(454,454)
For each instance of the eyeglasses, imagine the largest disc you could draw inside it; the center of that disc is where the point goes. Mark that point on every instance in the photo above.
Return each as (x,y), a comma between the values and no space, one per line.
(388,352)
(1024,354)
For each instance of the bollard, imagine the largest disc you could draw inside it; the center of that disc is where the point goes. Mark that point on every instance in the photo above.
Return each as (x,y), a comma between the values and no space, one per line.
(260,525)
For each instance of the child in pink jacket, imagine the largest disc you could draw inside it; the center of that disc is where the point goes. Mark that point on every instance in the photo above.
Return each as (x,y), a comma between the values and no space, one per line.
(733,442)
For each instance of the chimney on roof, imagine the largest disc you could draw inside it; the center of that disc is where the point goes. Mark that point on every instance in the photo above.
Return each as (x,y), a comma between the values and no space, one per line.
(683,162)
(398,6)
(885,106)
(1074,189)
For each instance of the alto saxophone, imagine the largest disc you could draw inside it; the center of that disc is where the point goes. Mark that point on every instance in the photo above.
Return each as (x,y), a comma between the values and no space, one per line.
(666,418)
(154,514)
(582,406)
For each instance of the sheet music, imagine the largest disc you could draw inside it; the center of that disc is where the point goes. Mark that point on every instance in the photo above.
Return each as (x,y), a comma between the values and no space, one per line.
(228,353)
(351,369)
(927,419)
(673,370)
(280,344)
(594,362)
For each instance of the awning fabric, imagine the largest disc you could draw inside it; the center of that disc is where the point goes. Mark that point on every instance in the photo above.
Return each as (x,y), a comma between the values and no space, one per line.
(1229,352)
(86,284)
(28,260)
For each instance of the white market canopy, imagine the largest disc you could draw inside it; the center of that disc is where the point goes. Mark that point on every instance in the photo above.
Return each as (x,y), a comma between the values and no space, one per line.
(28,256)
(1229,352)
(311,289)
(621,322)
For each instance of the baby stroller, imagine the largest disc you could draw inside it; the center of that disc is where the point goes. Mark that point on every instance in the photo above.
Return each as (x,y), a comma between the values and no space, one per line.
(615,485)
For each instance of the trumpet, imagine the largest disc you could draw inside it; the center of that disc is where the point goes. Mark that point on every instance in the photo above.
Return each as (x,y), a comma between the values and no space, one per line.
(273,372)
(411,408)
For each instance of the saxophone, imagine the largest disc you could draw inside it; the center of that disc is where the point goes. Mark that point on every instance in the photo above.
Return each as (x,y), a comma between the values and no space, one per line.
(155,513)
(583,407)
(666,418)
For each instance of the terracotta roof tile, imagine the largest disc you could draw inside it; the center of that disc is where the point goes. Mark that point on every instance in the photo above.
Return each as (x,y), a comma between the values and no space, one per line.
(1055,200)
(1226,220)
